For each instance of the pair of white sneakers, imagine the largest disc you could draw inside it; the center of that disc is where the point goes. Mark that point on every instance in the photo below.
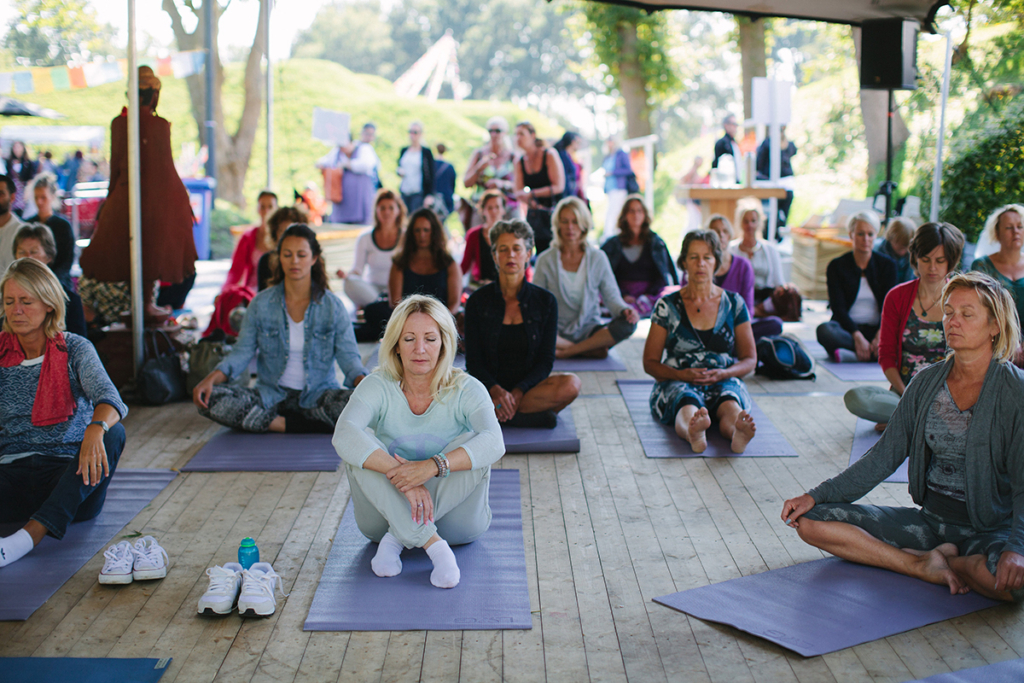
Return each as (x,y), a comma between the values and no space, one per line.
(143,561)
(251,589)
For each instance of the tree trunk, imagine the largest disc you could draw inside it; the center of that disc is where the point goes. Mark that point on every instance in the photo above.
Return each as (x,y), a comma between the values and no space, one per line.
(631,84)
(874,107)
(752,58)
(233,151)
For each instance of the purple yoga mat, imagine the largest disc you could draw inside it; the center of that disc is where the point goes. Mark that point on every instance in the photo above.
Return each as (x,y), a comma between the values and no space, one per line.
(610,364)
(561,439)
(232,451)
(847,372)
(826,605)
(661,441)
(493,593)
(864,437)
(1011,671)
(29,582)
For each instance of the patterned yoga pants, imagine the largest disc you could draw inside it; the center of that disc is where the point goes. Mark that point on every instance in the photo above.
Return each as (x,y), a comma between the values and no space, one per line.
(241,407)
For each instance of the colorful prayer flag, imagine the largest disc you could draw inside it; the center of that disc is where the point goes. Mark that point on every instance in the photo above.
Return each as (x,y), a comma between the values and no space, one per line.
(41,80)
(6,83)
(59,77)
(76,75)
(23,82)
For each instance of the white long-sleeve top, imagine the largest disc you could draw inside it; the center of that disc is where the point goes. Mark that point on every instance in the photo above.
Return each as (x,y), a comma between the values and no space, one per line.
(363,160)
(378,407)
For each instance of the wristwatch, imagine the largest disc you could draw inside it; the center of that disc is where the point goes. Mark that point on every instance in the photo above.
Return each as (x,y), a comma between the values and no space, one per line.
(101,423)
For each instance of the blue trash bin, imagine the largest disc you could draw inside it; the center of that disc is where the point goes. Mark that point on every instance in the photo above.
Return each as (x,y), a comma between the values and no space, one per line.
(200,194)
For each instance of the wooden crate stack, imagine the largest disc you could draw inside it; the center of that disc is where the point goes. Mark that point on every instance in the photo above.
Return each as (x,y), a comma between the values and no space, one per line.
(814,247)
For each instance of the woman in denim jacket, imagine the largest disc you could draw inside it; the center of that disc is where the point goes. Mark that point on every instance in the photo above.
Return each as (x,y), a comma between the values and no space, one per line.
(296,329)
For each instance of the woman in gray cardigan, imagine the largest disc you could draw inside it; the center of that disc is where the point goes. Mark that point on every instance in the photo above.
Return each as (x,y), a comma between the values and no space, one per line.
(961,423)
(580,277)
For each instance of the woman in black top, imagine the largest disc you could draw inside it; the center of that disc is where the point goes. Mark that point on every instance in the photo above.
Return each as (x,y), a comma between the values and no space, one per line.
(35,240)
(276,225)
(511,327)
(424,265)
(45,194)
(540,181)
(416,168)
(857,284)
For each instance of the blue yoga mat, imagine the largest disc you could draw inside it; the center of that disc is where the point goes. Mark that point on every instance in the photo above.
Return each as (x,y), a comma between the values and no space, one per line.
(826,605)
(81,670)
(847,372)
(29,582)
(493,592)
(234,451)
(561,439)
(661,441)
(1011,671)
(864,437)
(610,364)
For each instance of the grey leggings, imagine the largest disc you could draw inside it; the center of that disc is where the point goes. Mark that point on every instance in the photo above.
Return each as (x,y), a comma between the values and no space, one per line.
(917,529)
(241,407)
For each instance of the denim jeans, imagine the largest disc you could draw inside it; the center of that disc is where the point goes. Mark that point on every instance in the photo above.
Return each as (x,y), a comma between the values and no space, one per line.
(413,202)
(47,489)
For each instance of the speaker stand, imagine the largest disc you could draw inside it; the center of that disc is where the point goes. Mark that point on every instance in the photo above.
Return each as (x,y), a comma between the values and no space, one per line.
(888,188)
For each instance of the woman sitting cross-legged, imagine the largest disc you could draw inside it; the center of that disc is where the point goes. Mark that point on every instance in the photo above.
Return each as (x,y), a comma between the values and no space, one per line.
(699,346)
(424,266)
(772,294)
(580,277)
(1005,230)
(477,259)
(639,257)
(422,479)
(35,240)
(296,330)
(511,327)
(61,439)
(911,336)
(857,284)
(960,422)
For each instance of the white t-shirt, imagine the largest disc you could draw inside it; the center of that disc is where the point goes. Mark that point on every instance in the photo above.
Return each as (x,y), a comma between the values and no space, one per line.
(294,375)
(411,166)
(372,263)
(575,284)
(864,310)
(7,232)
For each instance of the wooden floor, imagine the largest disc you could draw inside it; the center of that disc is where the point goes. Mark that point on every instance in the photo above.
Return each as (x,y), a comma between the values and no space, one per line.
(606,531)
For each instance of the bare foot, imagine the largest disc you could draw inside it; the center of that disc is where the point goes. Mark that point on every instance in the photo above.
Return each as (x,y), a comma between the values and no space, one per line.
(696,431)
(880,427)
(743,432)
(933,567)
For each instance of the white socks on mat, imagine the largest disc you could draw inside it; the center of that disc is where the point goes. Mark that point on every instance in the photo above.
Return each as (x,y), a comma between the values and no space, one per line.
(387,561)
(15,547)
(446,570)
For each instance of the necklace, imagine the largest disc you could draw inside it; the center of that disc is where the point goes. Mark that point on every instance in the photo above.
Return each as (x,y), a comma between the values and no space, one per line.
(924,311)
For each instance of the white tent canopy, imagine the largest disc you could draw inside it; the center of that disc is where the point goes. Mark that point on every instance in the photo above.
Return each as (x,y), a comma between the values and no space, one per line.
(90,136)
(836,11)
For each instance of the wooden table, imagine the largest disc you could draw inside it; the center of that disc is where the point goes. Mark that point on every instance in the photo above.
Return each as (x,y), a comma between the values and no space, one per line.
(723,199)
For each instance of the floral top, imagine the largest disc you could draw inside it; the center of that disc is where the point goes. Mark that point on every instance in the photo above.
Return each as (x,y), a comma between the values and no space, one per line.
(924,343)
(685,347)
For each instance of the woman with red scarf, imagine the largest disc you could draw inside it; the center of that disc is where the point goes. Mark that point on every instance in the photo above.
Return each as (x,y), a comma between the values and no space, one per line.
(61,439)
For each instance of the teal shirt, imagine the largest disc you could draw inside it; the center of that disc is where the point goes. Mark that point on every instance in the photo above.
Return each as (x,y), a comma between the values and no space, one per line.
(1014,287)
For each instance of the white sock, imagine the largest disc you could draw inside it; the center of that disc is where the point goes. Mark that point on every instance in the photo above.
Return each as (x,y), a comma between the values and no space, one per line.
(15,547)
(387,561)
(446,572)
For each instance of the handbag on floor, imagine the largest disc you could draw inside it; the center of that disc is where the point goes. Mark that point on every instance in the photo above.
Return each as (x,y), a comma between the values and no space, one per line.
(161,379)
(784,357)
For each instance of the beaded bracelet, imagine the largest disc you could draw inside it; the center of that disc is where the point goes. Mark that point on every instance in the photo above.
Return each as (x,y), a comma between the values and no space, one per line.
(443,467)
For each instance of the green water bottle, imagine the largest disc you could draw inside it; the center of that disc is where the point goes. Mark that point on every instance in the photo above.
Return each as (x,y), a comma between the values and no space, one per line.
(248,553)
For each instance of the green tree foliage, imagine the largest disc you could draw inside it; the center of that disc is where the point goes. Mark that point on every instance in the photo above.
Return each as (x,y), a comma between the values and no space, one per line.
(507,48)
(55,32)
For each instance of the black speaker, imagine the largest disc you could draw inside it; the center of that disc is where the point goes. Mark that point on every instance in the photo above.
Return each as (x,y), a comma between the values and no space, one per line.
(888,54)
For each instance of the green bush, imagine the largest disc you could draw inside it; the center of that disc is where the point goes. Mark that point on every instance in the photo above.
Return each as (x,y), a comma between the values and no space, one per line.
(984,171)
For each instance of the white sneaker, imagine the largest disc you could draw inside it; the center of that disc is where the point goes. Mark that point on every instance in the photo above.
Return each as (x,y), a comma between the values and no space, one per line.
(150,559)
(257,598)
(221,596)
(117,567)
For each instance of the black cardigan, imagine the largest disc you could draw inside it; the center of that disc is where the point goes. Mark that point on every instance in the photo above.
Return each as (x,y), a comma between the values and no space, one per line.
(428,169)
(843,278)
(485,312)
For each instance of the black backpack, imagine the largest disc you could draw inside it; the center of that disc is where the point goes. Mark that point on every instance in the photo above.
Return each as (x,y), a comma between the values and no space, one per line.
(784,357)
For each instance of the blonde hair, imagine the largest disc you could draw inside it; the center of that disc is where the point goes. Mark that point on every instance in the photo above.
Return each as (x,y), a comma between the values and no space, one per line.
(39,281)
(900,231)
(576,205)
(869,217)
(1000,305)
(725,224)
(992,222)
(745,206)
(446,377)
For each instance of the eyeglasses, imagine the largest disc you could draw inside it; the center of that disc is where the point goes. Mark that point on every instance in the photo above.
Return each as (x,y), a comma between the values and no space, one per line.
(495,131)
(415,132)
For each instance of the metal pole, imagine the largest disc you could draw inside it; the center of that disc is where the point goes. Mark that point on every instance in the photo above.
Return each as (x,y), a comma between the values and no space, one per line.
(774,156)
(134,193)
(211,145)
(937,178)
(888,157)
(270,100)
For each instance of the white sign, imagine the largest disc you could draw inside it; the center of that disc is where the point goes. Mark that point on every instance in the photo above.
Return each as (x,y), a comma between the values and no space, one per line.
(762,100)
(331,127)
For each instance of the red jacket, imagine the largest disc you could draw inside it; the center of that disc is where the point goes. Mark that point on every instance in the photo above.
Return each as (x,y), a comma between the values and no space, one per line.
(895,313)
